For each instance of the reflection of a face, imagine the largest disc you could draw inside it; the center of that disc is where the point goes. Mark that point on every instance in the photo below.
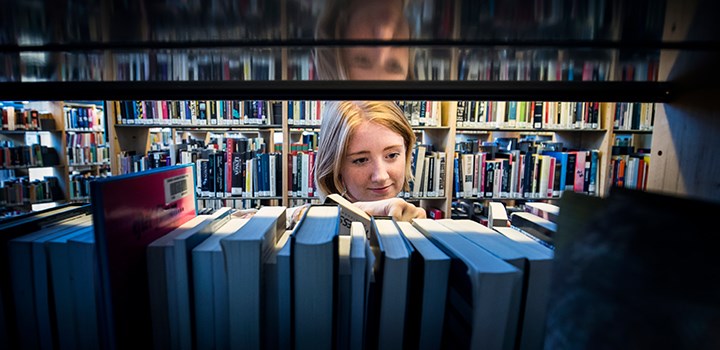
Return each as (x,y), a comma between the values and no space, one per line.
(372,20)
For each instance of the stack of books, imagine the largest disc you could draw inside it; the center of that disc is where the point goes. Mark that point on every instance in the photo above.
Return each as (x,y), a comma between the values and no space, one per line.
(145,269)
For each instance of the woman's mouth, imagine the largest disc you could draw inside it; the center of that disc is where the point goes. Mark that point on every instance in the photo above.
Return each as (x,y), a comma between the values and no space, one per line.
(381,190)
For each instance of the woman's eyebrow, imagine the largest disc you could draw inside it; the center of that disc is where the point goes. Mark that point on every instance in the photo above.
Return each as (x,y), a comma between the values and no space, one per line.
(366,152)
(357,153)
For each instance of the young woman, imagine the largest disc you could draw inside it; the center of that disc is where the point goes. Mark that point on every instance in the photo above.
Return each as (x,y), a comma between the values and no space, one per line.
(364,154)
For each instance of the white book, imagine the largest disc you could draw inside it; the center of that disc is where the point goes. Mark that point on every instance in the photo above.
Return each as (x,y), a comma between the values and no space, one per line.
(314,259)
(497,215)
(419,160)
(30,281)
(349,213)
(390,287)
(85,284)
(480,297)
(210,288)
(245,253)
(359,251)
(429,271)
(546,211)
(183,245)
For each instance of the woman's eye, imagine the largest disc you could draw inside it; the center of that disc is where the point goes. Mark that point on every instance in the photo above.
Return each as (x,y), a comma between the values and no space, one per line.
(394,155)
(359,161)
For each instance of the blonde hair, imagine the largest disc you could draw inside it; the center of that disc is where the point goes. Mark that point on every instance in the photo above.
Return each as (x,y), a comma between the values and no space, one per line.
(331,25)
(340,119)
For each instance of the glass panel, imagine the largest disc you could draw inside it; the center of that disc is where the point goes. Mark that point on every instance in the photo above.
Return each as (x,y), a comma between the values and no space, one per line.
(37,22)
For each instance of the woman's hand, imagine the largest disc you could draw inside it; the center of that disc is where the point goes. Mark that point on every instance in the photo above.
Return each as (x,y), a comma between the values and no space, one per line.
(398,208)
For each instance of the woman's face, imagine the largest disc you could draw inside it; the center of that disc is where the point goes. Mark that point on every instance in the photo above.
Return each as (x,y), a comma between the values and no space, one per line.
(374,165)
(383,20)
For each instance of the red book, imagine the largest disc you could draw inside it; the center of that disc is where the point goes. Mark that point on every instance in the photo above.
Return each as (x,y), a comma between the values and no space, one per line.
(130,212)
(435,214)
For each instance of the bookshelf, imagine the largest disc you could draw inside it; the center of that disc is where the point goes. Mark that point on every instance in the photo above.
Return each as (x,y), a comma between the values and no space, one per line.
(453,42)
(70,148)
(34,169)
(160,134)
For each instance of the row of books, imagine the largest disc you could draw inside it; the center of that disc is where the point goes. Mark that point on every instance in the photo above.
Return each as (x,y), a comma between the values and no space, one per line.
(84,139)
(79,188)
(529,65)
(23,191)
(84,118)
(199,113)
(629,167)
(428,169)
(242,174)
(530,114)
(20,118)
(216,281)
(418,113)
(28,156)
(130,162)
(514,174)
(194,66)
(634,116)
(232,202)
(88,155)
(422,113)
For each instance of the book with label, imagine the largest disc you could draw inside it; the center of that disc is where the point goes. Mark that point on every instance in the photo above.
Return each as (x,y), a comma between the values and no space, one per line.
(129,212)
(479,304)
(314,246)
(245,253)
(427,290)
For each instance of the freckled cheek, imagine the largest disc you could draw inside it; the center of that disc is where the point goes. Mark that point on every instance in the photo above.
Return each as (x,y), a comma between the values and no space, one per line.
(398,174)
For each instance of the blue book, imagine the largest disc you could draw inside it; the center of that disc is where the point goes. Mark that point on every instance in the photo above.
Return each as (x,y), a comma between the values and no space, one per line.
(561,157)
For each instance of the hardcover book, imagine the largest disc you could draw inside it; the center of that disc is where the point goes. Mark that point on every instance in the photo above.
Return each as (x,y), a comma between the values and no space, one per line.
(129,212)
(314,262)
(427,290)
(387,300)
(210,288)
(245,253)
(480,292)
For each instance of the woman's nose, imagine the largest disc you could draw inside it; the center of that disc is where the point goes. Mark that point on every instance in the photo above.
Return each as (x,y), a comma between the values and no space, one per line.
(379,173)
